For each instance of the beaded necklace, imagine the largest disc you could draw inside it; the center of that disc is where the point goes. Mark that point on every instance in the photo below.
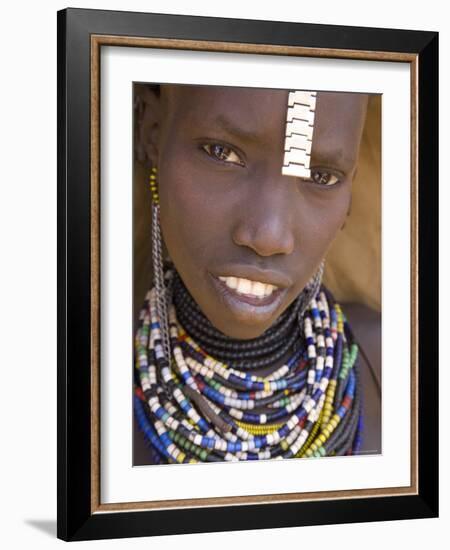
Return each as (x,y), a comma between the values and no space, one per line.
(209,406)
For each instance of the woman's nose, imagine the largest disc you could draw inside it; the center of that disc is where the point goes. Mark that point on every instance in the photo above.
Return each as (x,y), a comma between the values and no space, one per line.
(265,222)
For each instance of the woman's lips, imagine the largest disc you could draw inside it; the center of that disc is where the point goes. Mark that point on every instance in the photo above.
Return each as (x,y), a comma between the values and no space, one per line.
(249,307)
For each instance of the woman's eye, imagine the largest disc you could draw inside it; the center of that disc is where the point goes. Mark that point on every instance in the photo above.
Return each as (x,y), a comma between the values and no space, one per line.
(222,153)
(322,177)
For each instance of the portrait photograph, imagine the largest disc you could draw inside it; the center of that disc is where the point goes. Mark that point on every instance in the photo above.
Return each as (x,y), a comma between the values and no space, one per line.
(256,244)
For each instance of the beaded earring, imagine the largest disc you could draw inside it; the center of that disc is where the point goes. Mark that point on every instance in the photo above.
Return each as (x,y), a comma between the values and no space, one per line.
(154,185)
(312,288)
(162,290)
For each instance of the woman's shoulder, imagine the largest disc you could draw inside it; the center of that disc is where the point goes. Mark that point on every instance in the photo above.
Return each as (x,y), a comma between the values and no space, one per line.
(365,323)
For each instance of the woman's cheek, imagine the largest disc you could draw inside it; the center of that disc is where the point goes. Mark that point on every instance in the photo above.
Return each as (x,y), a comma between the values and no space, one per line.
(187,219)
(330,207)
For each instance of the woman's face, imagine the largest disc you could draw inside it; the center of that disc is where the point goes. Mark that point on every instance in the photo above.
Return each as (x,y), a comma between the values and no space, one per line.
(229,217)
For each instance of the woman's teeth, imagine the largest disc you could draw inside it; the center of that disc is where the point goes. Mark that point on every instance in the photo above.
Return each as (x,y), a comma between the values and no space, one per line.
(245,286)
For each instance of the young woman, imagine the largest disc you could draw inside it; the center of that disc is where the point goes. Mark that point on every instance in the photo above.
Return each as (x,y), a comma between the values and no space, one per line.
(241,351)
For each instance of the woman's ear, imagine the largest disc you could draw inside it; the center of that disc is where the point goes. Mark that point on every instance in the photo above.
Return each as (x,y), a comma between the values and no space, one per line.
(147,109)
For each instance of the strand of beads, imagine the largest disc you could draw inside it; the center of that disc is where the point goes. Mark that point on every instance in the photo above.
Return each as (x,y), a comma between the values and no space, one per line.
(200,409)
(338,430)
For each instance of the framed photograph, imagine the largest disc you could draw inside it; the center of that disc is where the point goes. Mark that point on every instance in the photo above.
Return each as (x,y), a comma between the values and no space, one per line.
(247,274)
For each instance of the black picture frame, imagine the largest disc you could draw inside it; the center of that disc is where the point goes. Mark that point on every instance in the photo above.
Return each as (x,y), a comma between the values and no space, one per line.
(79,515)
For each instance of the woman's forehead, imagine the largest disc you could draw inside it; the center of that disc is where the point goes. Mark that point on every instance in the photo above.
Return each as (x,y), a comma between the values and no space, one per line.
(206,103)
(251,102)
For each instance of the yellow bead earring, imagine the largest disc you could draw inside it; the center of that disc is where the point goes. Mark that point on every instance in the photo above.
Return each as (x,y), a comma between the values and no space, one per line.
(154,185)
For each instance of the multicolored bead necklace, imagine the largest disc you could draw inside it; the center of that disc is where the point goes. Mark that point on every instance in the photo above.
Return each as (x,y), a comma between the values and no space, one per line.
(210,408)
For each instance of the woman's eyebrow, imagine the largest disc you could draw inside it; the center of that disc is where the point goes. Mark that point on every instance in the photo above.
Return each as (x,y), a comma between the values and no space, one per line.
(333,156)
(338,157)
(232,128)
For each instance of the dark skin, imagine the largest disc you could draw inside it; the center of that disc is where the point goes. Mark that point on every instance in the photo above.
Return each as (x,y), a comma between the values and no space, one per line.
(255,222)
(226,208)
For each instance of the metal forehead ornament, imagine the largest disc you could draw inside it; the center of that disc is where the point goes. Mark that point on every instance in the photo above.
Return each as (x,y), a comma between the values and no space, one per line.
(299,133)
